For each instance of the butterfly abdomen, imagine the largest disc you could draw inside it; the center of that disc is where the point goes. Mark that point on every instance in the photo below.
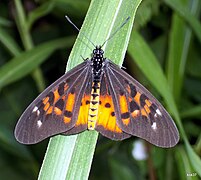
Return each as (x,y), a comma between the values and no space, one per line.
(94,104)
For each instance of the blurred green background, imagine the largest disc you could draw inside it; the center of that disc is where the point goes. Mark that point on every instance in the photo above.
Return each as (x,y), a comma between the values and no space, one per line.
(33,54)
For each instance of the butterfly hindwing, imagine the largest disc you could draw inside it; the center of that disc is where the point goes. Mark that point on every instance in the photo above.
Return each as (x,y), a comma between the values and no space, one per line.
(141,114)
(56,109)
(107,119)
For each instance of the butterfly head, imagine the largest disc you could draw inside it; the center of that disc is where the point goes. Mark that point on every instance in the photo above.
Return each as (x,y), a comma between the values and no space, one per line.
(98,52)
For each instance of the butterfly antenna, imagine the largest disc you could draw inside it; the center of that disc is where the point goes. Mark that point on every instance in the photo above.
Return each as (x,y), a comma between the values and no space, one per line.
(68,19)
(112,35)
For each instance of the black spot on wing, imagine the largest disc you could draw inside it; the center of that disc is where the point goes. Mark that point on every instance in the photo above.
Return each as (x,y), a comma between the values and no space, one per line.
(68,114)
(121,92)
(133,90)
(72,90)
(60,104)
(143,97)
(125,115)
(133,106)
(107,105)
(51,97)
(113,113)
(68,80)
(153,106)
(87,102)
(61,89)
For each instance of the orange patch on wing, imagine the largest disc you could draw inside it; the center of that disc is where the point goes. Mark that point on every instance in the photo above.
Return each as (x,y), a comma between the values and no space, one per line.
(147,109)
(65,87)
(69,106)
(70,102)
(47,105)
(143,112)
(57,111)
(45,100)
(128,89)
(66,119)
(137,98)
(63,97)
(130,99)
(49,111)
(148,102)
(83,112)
(124,109)
(105,118)
(123,104)
(135,113)
(126,121)
(56,95)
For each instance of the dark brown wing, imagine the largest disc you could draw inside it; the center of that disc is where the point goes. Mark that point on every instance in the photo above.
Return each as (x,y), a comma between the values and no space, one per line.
(107,120)
(82,118)
(138,112)
(56,109)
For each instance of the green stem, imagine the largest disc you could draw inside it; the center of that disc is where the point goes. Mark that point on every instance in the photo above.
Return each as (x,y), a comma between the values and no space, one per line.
(23,28)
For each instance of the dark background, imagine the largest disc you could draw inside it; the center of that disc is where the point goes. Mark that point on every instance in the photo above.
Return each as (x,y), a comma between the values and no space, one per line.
(158,23)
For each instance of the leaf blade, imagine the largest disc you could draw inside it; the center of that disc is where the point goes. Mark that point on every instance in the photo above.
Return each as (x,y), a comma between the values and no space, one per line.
(97,33)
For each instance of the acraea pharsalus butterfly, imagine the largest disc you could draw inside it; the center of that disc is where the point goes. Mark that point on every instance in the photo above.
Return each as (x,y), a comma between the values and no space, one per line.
(97,95)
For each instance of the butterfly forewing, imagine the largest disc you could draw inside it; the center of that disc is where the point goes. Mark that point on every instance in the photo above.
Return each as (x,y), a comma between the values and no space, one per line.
(83,105)
(141,114)
(56,109)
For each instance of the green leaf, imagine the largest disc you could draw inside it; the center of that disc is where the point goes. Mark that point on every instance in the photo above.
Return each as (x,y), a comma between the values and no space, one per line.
(21,22)
(27,61)
(194,158)
(9,42)
(184,167)
(177,55)
(41,11)
(25,35)
(187,15)
(5,22)
(73,7)
(191,112)
(180,37)
(77,151)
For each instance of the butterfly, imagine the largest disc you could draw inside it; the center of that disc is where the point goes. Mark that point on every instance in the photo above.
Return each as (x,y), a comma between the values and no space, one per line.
(97,95)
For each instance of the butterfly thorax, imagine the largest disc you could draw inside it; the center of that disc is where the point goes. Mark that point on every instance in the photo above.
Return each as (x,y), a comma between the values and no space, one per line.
(97,71)
(97,61)
(97,66)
